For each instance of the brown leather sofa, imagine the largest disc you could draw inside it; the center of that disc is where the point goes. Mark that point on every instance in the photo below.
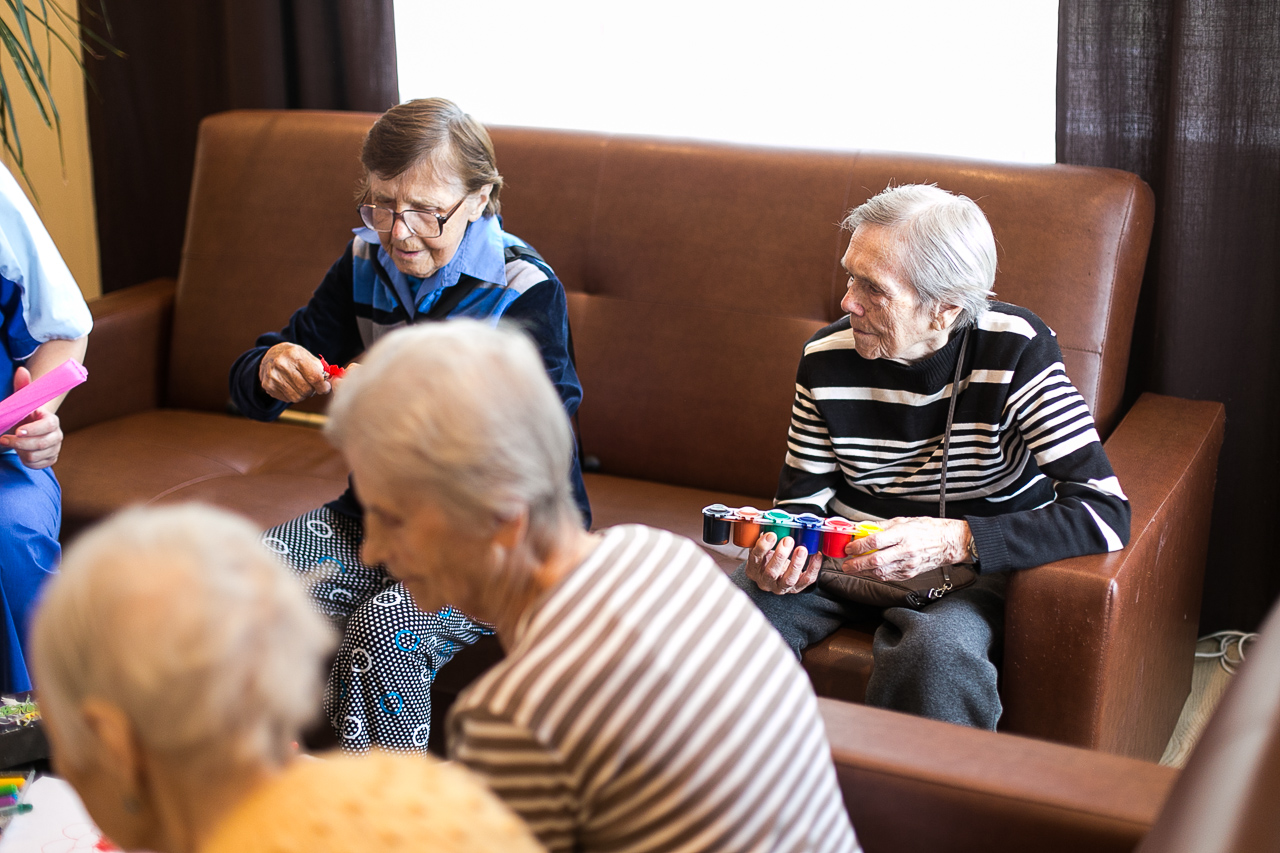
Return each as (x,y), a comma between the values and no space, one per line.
(918,785)
(695,273)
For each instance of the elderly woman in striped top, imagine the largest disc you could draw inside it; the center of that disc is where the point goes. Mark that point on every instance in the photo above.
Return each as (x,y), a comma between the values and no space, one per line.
(620,719)
(1028,480)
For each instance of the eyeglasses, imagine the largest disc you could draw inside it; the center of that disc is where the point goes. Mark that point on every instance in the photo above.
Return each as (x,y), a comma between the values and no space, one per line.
(421,223)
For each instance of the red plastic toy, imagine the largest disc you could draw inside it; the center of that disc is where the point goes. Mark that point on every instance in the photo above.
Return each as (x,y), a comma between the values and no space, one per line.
(332,370)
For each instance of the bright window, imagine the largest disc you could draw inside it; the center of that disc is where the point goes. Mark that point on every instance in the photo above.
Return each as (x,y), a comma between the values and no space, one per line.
(971,79)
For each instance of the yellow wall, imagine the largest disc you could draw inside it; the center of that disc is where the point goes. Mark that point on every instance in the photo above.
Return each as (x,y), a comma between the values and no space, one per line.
(65,201)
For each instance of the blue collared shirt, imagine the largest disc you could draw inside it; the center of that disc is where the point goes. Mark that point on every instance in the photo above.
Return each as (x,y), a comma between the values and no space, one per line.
(479,255)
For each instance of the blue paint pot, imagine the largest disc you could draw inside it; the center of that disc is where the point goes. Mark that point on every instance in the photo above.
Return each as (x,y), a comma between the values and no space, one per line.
(809,534)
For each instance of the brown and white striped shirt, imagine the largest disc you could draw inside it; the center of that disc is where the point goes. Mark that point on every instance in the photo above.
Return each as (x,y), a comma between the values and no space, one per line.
(647,705)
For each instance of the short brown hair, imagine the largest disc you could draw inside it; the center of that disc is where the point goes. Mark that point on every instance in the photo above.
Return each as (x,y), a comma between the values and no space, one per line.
(432,129)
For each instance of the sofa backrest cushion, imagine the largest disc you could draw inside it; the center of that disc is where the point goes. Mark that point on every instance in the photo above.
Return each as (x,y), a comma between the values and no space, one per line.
(272,207)
(695,271)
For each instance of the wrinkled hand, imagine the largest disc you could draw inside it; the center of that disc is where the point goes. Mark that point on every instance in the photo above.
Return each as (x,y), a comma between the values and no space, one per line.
(289,373)
(783,569)
(908,546)
(38,437)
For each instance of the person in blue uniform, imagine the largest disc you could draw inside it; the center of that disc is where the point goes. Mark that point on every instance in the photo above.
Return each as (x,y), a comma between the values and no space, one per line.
(43,322)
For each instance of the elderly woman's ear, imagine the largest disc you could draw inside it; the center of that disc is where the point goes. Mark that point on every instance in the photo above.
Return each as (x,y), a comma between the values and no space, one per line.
(511,532)
(507,538)
(944,317)
(118,751)
(480,202)
(110,772)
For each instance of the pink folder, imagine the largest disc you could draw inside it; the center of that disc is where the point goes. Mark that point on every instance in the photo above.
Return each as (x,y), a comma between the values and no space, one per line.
(56,382)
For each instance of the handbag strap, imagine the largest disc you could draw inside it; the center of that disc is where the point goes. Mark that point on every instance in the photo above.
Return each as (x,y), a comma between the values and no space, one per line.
(951,414)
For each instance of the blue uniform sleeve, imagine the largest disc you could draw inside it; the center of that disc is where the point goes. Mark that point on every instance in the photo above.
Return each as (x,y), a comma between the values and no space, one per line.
(326,326)
(15,337)
(543,312)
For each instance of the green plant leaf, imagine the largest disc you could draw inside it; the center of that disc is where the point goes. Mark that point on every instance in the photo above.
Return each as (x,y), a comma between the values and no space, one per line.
(81,44)
(75,28)
(15,51)
(26,59)
(6,110)
(8,123)
(31,56)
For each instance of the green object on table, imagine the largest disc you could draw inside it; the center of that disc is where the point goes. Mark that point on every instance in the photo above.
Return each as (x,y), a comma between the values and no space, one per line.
(6,790)
(20,808)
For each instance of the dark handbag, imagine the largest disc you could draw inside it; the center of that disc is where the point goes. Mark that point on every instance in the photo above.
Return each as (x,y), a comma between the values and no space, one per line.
(926,587)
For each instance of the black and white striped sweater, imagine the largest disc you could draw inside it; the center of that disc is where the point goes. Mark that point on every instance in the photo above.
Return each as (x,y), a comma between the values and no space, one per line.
(1027,469)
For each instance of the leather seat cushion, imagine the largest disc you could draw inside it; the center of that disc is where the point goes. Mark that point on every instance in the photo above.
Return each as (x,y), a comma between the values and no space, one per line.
(268,472)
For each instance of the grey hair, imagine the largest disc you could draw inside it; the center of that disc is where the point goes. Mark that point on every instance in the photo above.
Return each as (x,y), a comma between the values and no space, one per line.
(947,249)
(180,617)
(463,414)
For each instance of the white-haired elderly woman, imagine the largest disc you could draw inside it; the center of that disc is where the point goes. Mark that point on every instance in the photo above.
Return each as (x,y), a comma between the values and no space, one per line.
(177,662)
(1028,481)
(635,707)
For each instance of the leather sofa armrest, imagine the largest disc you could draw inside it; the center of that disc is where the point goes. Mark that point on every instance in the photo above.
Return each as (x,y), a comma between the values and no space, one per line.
(1114,633)
(128,356)
(915,784)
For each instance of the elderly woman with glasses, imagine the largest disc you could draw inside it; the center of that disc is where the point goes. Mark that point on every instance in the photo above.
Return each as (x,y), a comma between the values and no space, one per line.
(432,247)
(177,662)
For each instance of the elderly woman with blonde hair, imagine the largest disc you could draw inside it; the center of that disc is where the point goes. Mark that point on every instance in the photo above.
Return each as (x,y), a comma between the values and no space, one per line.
(177,663)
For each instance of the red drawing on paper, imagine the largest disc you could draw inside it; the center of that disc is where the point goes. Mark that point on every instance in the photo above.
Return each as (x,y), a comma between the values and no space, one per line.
(79,836)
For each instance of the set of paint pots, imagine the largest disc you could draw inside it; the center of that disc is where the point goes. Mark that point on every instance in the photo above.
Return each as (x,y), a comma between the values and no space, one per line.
(746,524)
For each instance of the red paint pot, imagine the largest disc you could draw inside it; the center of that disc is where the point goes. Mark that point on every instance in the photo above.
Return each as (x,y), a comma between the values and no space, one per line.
(836,533)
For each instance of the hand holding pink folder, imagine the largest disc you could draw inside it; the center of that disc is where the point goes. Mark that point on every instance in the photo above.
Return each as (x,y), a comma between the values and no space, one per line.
(16,407)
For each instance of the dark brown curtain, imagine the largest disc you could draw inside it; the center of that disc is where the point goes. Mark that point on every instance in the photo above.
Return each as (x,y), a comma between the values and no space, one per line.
(191,58)
(1187,94)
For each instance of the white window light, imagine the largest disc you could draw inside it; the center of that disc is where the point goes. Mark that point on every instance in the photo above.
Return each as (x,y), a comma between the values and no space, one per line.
(971,79)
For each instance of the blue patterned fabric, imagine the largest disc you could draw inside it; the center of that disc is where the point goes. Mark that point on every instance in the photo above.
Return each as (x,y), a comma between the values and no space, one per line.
(379,689)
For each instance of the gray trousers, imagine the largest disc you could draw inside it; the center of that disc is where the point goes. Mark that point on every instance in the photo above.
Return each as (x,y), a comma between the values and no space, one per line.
(940,662)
